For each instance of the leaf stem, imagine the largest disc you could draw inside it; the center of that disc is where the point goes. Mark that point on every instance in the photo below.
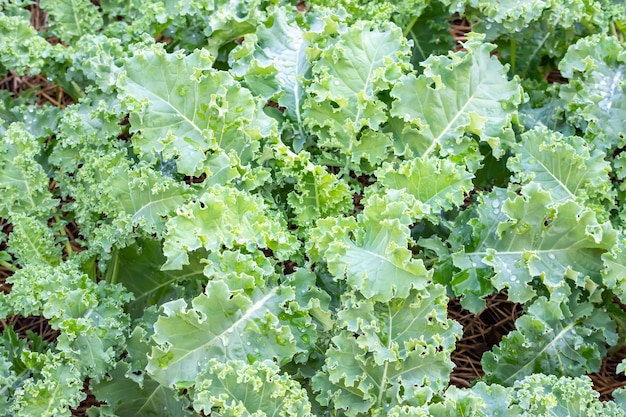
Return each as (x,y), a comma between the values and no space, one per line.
(408,28)
(383,384)
(513,52)
(68,245)
(8,266)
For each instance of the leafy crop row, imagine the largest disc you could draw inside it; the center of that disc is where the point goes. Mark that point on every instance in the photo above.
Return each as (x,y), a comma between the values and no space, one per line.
(276,202)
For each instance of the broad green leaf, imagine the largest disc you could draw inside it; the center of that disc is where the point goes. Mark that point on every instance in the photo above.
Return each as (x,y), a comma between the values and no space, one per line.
(222,325)
(389,354)
(138,268)
(182,108)
(436,184)
(550,395)
(23,181)
(317,193)
(238,388)
(564,166)
(32,242)
(70,19)
(89,316)
(563,337)
(528,236)
(225,217)
(39,121)
(371,252)
(348,76)
(464,92)
(23,50)
(274,64)
(126,398)
(596,93)
(430,33)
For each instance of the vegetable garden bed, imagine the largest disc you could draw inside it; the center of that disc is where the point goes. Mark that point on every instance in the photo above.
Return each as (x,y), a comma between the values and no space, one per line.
(321,208)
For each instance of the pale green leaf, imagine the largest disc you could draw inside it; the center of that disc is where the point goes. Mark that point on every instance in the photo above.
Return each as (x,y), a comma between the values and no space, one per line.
(464,92)
(23,181)
(183,109)
(596,93)
(317,193)
(528,236)
(239,388)
(33,242)
(389,354)
(226,217)
(563,337)
(220,325)
(273,63)
(70,19)
(564,166)
(371,252)
(347,78)
(436,184)
(23,50)
(550,395)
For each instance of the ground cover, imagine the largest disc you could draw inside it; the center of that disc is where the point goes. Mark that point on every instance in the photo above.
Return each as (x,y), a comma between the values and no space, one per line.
(339,208)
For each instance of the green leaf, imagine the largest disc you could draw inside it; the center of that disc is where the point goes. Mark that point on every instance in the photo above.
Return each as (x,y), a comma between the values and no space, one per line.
(436,184)
(222,325)
(562,337)
(32,242)
(126,398)
(239,388)
(528,236)
(317,193)
(23,181)
(226,217)
(464,92)
(89,316)
(59,388)
(348,76)
(564,166)
(183,109)
(550,395)
(371,252)
(70,19)
(143,195)
(614,271)
(596,93)
(138,268)
(242,271)
(430,33)
(273,63)
(23,50)
(389,354)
